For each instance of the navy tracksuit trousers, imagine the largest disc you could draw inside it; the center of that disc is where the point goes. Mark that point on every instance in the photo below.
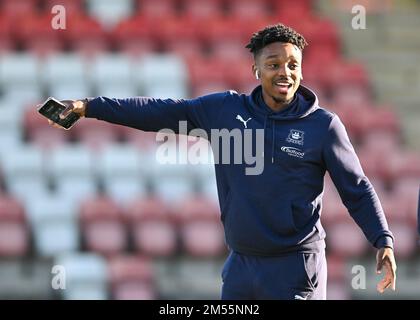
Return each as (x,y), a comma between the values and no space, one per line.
(290,276)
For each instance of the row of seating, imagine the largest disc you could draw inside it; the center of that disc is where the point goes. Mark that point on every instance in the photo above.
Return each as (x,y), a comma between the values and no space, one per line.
(147,225)
(191,224)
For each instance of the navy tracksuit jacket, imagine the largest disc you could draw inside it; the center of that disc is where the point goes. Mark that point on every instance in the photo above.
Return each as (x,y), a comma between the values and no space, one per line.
(273,216)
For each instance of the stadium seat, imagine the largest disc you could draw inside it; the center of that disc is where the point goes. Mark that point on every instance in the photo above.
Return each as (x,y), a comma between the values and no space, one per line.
(86,276)
(247,9)
(71,168)
(157,9)
(10,124)
(333,208)
(336,267)
(7,41)
(39,133)
(18,8)
(103,226)
(338,290)
(173,29)
(384,119)
(86,36)
(72,7)
(14,231)
(406,192)
(171,175)
(95,134)
(110,12)
(344,238)
(133,36)
(142,140)
(213,69)
(217,29)
(65,76)
(53,220)
(405,238)
(202,9)
(37,35)
(162,76)
(152,227)
(122,171)
(109,70)
(409,164)
(200,227)
(132,278)
(20,77)
(24,172)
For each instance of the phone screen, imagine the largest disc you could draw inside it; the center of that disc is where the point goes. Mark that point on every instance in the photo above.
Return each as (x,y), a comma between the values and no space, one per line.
(52,108)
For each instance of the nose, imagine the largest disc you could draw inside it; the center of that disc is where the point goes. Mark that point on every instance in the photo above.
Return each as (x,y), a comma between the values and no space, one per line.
(284,71)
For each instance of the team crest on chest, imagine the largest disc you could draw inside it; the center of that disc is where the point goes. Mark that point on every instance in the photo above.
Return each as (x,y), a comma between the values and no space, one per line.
(295,136)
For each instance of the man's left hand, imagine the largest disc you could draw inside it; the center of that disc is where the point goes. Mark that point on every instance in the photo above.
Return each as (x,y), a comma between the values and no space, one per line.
(385,260)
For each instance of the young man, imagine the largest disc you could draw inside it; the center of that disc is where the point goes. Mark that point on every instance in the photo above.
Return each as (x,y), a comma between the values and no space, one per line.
(272,217)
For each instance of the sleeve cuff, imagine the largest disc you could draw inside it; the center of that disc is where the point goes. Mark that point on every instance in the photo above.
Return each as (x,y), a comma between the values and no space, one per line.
(90,108)
(385,241)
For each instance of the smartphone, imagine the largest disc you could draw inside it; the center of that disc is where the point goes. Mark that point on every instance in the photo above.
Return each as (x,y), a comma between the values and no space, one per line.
(52,108)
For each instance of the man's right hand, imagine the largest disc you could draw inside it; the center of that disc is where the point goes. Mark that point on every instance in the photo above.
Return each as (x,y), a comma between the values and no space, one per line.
(76,106)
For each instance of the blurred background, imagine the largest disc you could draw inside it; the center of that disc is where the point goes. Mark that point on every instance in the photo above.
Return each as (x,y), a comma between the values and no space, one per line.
(95,200)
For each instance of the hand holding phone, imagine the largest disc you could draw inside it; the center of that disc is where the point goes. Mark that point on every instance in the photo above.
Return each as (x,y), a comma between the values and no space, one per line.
(53,110)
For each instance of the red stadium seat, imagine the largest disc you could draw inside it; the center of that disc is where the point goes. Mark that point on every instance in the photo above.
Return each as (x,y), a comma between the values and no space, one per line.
(333,208)
(72,7)
(132,278)
(406,190)
(246,9)
(14,232)
(200,227)
(220,29)
(202,9)
(406,164)
(143,140)
(322,36)
(36,34)
(7,41)
(95,134)
(133,36)
(297,9)
(103,226)
(336,268)
(405,238)
(85,35)
(344,238)
(40,133)
(338,290)
(152,228)
(157,8)
(206,70)
(18,8)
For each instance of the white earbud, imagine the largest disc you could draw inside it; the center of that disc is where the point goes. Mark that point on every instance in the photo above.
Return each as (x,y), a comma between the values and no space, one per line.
(256,75)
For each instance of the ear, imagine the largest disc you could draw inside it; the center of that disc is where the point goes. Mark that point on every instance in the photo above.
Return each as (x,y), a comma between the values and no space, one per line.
(255,71)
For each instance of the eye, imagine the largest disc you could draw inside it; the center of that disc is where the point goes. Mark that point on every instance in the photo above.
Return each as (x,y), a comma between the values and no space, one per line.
(293,66)
(273,65)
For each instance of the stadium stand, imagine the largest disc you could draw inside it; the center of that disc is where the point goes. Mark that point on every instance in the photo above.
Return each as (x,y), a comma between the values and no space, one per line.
(99,200)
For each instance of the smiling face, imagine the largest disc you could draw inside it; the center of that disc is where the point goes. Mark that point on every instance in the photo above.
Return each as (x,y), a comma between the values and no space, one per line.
(279,68)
